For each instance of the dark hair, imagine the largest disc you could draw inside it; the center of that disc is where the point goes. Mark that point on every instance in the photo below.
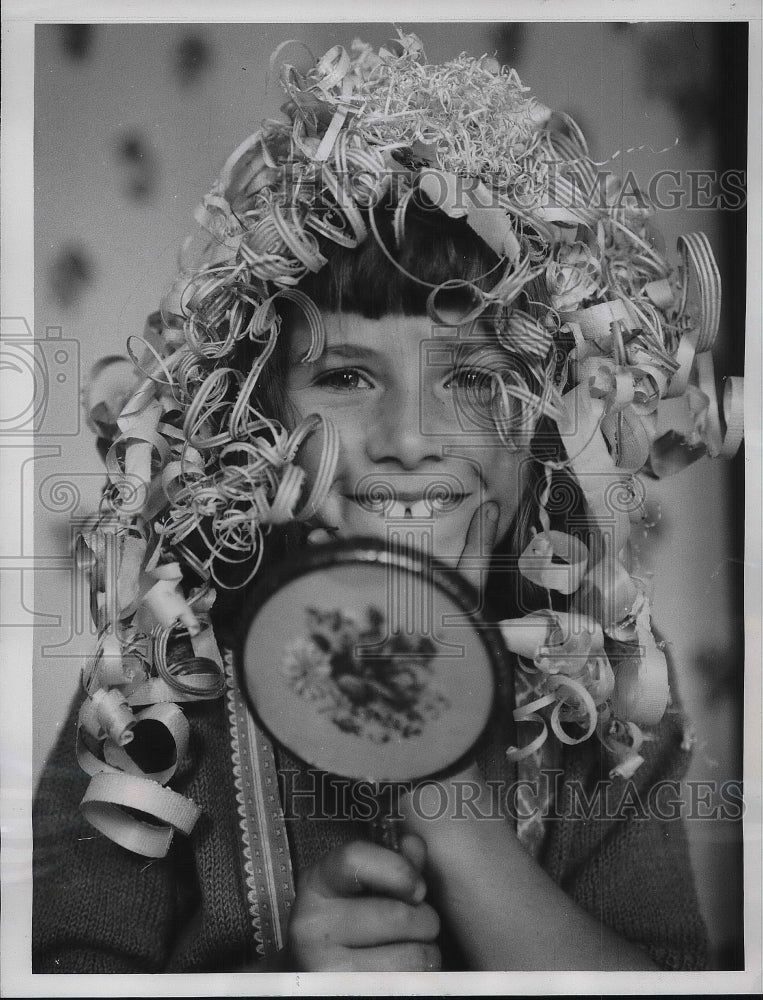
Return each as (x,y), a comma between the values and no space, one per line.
(363,280)
(434,249)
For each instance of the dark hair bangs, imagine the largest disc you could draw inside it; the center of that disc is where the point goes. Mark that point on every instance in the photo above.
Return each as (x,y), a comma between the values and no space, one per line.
(434,249)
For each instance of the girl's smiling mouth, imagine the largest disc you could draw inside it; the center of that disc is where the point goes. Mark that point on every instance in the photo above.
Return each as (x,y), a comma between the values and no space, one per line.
(407,506)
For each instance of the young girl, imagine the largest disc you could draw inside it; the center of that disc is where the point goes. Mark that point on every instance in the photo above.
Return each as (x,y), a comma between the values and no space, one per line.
(409,282)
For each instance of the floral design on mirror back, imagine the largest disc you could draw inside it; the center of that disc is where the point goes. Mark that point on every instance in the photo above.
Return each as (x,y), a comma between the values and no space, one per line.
(369,682)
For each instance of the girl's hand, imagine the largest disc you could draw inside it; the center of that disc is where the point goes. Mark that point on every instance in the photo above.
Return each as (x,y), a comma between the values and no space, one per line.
(359,909)
(474,561)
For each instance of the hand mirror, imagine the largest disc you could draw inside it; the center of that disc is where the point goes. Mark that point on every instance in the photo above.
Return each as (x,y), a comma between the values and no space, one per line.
(371,662)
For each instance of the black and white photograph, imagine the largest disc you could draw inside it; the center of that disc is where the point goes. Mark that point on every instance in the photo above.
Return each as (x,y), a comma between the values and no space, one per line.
(381,513)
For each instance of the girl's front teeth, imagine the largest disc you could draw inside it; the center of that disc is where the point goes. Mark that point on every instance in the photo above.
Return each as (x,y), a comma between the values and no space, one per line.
(408,509)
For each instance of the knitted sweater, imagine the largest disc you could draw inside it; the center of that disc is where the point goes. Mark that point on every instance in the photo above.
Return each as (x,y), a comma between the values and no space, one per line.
(99,908)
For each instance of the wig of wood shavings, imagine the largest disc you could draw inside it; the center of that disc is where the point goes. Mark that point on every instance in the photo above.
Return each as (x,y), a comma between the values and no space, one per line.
(463,191)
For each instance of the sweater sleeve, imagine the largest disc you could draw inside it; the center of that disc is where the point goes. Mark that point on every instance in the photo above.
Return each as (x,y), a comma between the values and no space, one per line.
(619,849)
(96,907)
(100,908)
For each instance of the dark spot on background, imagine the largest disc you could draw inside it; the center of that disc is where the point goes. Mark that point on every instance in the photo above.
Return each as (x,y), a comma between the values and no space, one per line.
(509,43)
(680,65)
(138,164)
(193,58)
(77,40)
(721,673)
(69,274)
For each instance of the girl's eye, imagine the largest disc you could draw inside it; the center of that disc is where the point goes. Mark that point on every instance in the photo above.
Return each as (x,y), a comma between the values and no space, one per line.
(343,380)
(474,383)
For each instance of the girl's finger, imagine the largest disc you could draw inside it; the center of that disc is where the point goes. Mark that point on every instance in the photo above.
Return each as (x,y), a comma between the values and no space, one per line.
(361,867)
(377,920)
(414,848)
(413,957)
(480,541)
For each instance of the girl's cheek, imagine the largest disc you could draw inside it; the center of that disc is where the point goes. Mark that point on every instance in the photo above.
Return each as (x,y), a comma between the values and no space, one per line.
(348,469)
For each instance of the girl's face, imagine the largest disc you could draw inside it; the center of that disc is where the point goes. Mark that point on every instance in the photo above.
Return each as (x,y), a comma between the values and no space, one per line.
(418,450)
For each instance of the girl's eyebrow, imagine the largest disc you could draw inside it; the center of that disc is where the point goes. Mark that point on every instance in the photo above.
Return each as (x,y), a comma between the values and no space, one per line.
(467,349)
(360,351)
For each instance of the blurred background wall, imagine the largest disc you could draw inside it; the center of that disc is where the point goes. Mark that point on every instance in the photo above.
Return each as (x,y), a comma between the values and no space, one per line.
(133,123)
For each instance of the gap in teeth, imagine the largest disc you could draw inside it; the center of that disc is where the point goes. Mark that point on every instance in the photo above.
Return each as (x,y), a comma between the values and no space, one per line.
(408,510)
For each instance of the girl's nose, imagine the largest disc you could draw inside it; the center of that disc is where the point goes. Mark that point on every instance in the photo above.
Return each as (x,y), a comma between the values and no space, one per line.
(396,436)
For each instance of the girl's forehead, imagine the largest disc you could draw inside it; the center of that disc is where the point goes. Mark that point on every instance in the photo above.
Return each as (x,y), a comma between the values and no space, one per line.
(342,328)
(385,334)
